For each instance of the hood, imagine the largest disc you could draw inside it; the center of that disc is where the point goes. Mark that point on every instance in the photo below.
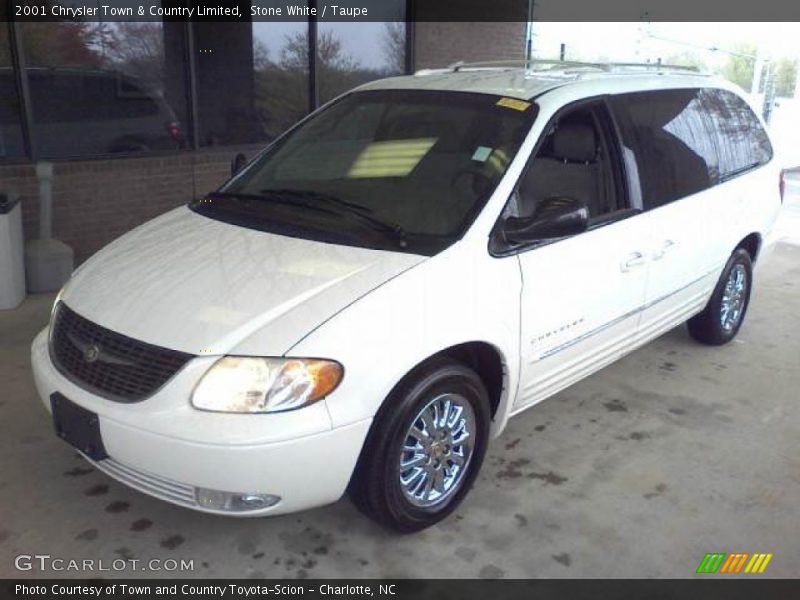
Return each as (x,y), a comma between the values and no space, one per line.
(187,282)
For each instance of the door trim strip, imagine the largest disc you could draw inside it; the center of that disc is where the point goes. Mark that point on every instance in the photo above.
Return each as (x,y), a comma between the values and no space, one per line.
(617,320)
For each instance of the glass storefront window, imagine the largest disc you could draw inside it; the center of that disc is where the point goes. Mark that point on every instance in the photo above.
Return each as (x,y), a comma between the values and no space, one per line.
(122,88)
(281,74)
(252,80)
(11,141)
(350,54)
(105,88)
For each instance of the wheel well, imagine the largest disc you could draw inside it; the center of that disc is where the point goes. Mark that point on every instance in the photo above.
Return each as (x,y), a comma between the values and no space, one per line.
(752,243)
(486,361)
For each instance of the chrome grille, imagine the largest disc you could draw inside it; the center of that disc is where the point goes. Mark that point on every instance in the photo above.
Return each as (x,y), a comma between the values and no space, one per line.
(107,363)
(154,485)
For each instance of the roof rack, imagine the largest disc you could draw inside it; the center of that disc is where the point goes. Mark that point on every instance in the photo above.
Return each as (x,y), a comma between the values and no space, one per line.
(538,64)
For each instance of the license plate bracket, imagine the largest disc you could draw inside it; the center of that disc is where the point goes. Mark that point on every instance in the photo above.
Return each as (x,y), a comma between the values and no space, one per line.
(77,426)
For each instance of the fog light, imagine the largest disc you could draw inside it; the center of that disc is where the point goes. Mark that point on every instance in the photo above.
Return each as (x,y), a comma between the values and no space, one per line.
(234,501)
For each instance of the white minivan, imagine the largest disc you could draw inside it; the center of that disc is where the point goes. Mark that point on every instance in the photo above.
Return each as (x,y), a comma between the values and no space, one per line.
(367,302)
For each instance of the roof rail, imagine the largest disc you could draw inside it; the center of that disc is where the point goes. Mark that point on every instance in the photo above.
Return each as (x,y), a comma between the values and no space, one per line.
(656,67)
(538,64)
(523,63)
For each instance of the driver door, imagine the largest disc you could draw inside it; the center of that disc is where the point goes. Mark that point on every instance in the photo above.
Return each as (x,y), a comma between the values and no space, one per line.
(581,295)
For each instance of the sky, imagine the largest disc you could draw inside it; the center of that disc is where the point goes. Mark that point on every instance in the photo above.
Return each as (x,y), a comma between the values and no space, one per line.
(638,41)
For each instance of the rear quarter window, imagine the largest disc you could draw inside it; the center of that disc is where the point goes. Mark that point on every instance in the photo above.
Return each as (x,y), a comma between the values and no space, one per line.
(741,140)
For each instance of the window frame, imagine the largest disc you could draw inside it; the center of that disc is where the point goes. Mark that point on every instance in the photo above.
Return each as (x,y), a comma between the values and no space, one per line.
(500,248)
(18,71)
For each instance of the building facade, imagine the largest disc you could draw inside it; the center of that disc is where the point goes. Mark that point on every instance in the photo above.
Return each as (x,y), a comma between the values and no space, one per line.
(138,118)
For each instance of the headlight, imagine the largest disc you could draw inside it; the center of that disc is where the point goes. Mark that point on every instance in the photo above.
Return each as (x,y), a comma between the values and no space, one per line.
(242,384)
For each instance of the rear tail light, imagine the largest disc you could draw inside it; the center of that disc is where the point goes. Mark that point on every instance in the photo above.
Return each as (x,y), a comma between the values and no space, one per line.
(174,129)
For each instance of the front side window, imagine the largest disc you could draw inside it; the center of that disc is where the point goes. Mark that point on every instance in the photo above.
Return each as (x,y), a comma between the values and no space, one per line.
(575,160)
(668,132)
(396,169)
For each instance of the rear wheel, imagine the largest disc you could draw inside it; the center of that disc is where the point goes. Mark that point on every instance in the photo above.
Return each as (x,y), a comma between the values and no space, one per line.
(425,448)
(723,315)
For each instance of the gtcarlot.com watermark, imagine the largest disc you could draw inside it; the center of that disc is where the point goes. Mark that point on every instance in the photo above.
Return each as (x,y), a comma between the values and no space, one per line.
(46,562)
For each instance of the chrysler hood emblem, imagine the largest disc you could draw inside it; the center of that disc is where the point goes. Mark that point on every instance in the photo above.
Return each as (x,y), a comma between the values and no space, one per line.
(91,353)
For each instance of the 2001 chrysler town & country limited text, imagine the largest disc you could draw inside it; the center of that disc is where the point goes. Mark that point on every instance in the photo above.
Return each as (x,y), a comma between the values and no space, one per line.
(365,304)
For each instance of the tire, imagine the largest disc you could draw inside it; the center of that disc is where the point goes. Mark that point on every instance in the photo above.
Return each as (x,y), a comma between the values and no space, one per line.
(405,419)
(719,322)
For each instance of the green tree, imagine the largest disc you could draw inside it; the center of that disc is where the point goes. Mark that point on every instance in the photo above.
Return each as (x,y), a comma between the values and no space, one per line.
(740,66)
(394,46)
(62,44)
(337,71)
(136,49)
(330,54)
(785,73)
(260,54)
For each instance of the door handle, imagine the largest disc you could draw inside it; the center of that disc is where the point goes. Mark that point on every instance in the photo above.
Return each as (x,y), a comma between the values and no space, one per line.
(636,259)
(665,247)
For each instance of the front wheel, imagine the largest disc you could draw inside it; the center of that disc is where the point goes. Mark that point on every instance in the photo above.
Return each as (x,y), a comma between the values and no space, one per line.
(425,447)
(723,315)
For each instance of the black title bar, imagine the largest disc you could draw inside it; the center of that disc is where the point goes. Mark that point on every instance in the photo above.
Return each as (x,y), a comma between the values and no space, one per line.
(400,10)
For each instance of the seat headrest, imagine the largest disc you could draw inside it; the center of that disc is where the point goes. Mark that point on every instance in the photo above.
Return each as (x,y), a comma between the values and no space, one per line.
(574,142)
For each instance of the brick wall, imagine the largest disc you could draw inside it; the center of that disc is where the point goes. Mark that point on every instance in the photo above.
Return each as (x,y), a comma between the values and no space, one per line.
(96,201)
(440,44)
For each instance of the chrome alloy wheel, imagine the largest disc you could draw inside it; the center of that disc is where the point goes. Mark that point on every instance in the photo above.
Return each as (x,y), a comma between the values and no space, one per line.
(733,298)
(436,450)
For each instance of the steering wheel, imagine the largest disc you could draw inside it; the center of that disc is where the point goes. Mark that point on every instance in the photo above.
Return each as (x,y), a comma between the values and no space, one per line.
(474,177)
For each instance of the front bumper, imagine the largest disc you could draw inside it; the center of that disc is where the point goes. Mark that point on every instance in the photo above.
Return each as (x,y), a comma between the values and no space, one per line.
(164,447)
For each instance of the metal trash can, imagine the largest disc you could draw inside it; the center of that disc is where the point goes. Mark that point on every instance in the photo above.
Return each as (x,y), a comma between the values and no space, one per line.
(12,252)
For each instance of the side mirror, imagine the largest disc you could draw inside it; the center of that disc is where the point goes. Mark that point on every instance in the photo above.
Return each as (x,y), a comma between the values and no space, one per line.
(238,163)
(556,217)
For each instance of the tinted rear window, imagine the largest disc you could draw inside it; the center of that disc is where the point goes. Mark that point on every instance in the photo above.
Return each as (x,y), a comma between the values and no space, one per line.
(668,134)
(687,140)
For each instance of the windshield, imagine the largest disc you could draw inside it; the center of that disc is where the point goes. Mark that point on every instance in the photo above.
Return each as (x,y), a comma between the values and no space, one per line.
(392,169)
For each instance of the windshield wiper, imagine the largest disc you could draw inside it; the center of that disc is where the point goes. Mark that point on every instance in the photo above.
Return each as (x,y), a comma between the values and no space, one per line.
(319,197)
(259,197)
(290,199)
(325,202)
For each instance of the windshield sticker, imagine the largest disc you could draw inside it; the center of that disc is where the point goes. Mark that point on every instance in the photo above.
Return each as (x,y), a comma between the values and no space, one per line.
(481,153)
(519,105)
(395,158)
